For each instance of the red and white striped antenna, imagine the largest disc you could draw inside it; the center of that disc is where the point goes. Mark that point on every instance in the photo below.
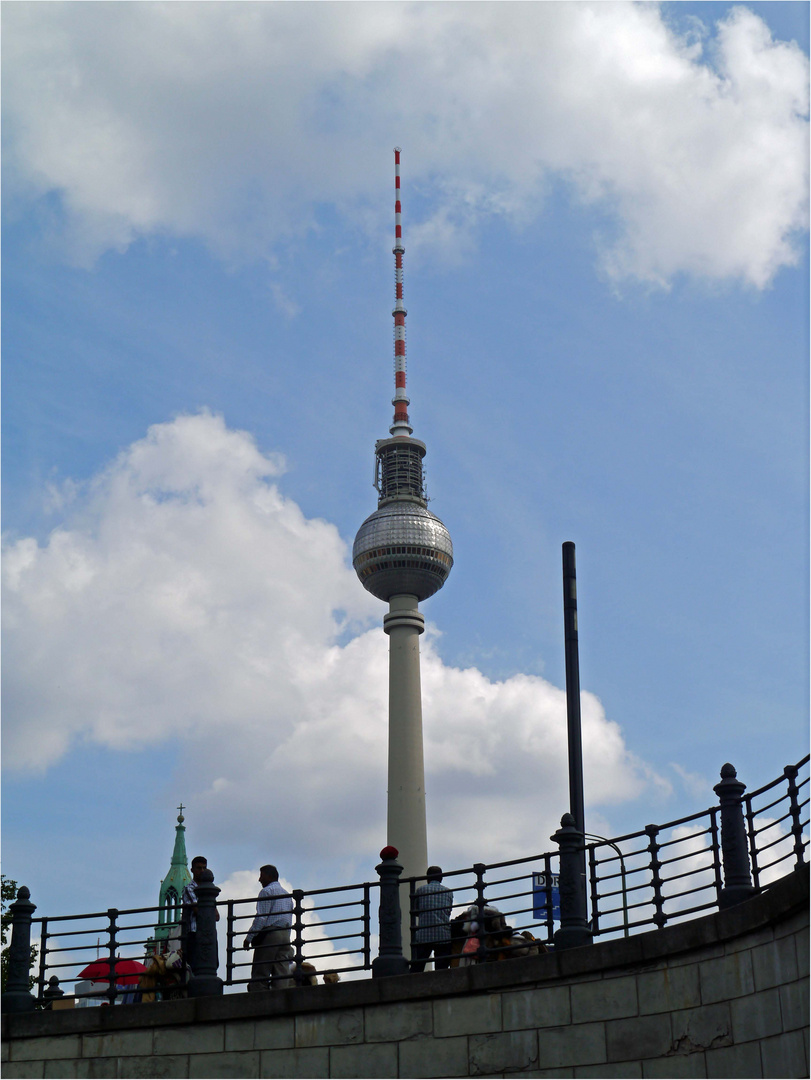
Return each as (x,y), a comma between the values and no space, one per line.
(400,401)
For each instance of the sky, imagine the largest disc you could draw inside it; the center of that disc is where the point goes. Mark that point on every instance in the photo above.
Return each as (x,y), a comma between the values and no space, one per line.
(605,214)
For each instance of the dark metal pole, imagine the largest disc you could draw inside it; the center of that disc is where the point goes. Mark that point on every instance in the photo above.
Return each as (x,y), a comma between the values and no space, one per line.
(734,849)
(205,980)
(17,996)
(576,801)
(390,959)
(298,940)
(112,945)
(572,859)
(574,928)
(481,904)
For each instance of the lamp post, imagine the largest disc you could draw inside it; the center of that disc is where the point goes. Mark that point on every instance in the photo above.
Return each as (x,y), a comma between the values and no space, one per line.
(576,799)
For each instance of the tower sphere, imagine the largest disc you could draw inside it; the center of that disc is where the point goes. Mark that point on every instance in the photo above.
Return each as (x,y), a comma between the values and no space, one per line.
(402,549)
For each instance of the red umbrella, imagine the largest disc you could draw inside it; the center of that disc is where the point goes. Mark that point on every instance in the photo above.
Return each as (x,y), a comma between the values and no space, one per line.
(127,972)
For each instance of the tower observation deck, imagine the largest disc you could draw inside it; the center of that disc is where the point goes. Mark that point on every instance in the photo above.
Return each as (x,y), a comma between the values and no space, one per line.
(403,554)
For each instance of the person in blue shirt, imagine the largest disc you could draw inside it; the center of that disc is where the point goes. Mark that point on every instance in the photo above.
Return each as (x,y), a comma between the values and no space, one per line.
(432,909)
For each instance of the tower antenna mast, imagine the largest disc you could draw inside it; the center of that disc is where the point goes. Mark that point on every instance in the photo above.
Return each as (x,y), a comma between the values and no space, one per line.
(400,401)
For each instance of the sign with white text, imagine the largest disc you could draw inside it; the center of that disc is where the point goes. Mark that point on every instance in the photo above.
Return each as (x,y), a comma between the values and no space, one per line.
(541,890)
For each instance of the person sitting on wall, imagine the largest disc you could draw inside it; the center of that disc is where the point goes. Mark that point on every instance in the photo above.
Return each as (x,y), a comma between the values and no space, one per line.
(432,907)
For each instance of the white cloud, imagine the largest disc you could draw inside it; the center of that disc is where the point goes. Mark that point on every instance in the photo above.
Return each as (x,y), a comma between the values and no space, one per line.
(234,122)
(186,598)
(696,785)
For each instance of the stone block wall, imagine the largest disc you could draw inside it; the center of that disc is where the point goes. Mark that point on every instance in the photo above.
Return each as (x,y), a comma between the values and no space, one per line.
(722,996)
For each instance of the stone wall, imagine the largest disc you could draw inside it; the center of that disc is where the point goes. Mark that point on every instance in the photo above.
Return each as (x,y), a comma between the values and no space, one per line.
(721,996)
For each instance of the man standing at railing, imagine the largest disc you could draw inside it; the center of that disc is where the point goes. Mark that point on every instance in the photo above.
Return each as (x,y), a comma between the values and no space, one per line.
(269,934)
(432,909)
(188,917)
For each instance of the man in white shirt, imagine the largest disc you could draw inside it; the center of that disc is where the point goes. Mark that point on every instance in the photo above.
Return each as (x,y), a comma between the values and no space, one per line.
(269,934)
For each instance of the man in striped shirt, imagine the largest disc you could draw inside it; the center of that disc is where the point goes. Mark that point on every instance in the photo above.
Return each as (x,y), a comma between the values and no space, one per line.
(269,934)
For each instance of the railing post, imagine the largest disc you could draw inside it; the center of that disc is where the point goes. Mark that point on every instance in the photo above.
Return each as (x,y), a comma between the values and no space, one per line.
(390,959)
(734,850)
(574,928)
(204,980)
(298,941)
(229,944)
(481,904)
(112,914)
(595,896)
(659,916)
(17,996)
(43,952)
(790,773)
(412,915)
(367,926)
(53,993)
(548,902)
(751,833)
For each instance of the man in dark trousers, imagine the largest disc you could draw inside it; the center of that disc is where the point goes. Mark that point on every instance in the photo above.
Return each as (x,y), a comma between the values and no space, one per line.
(188,918)
(432,907)
(269,934)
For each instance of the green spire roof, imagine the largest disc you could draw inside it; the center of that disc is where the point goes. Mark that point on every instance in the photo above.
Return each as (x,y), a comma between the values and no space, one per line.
(175,881)
(179,857)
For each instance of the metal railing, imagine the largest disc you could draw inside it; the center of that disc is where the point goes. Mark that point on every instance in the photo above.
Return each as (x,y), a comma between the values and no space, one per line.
(660,875)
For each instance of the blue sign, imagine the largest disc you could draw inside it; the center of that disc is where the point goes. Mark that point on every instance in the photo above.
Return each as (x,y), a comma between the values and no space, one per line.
(542,892)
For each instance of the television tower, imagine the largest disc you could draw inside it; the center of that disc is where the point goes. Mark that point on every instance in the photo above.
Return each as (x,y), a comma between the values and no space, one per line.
(403,554)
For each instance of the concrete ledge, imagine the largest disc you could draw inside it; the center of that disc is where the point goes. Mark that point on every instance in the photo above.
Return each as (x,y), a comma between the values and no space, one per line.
(779,902)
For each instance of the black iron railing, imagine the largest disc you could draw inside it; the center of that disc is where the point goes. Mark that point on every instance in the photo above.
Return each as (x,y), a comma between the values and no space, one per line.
(648,879)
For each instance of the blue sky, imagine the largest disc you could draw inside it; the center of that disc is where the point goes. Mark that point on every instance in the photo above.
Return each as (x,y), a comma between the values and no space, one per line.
(606,274)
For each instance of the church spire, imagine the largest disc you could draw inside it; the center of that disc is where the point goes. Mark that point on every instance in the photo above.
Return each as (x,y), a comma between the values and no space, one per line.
(179,857)
(172,886)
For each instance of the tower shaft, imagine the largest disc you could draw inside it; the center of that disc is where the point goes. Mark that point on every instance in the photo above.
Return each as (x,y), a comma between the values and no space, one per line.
(406,829)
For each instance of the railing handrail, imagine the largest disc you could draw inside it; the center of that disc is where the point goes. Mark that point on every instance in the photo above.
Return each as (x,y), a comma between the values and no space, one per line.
(778,779)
